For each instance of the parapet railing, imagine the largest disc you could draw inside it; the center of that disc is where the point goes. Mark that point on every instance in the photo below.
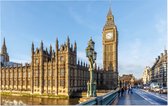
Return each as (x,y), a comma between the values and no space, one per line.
(106,99)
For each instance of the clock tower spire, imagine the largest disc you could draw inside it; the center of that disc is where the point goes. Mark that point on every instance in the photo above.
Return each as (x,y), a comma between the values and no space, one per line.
(110,44)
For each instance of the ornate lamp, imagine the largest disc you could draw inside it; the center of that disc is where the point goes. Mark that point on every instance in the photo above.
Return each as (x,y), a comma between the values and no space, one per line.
(94,55)
(91,54)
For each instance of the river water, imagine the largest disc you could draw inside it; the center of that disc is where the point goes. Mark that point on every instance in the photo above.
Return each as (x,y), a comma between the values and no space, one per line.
(20,100)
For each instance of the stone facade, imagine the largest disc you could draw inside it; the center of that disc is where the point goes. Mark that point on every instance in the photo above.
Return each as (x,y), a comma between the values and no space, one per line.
(127,80)
(58,72)
(146,75)
(159,70)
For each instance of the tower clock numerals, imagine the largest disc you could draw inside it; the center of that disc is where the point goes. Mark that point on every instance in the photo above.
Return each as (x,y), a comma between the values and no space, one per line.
(109,35)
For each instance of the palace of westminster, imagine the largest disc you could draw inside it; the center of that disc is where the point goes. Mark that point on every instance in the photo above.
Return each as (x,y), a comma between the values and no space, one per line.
(58,72)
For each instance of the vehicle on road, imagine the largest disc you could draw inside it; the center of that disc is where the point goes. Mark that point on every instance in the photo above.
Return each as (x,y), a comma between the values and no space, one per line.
(154,86)
(146,87)
(163,90)
(156,89)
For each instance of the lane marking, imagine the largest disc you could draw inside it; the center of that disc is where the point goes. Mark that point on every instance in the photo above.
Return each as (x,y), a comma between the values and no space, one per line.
(155,95)
(146,98)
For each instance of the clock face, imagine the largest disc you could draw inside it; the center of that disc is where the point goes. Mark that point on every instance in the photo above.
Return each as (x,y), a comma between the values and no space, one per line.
(109,35)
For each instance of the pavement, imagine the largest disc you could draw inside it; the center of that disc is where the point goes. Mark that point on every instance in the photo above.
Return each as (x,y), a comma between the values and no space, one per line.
(140,97)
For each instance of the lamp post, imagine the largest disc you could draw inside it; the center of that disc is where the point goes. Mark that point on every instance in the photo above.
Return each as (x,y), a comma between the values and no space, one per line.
(91,54)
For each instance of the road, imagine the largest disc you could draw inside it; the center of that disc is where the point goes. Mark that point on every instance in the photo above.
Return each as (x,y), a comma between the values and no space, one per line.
(141,97)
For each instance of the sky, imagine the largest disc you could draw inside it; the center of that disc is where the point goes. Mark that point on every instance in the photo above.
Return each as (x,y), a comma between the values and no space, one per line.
(142,27)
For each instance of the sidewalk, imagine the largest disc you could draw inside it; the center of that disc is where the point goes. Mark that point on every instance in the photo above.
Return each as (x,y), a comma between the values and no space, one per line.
(132,99)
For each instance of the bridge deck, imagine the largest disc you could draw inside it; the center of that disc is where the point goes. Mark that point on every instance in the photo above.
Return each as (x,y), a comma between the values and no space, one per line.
(132,99)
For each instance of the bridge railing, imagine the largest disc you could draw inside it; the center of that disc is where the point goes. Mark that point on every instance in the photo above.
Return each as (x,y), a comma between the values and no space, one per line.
(107,99)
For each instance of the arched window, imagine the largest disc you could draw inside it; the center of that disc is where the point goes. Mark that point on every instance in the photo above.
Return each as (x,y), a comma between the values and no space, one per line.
(61,58)
(6,74)
(62,72)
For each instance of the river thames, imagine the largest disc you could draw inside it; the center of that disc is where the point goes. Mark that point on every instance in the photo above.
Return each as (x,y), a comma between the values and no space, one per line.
(20,100)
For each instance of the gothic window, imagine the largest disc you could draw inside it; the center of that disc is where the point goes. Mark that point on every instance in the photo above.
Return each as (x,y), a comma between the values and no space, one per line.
(61,58)
(20,82)
(62,83)
(49,73)
(24,74)
(74,60)
(36,61)
(15,74)
(36,73)
(14,82)
(53,82)
(62,72)
(71,83)
(28,74)
(28,83)
(2,75)
(71,60)
(75,73)
(6,75)
(24,82)
(19,75)
(44,82)
(49,82)
(36,82)
(11,75)
(70,72)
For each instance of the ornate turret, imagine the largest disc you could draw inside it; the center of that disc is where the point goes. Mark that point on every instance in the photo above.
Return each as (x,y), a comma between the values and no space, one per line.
(110,20)
(32,47)
(46,50)
(109,15)
(4,49)
(57,45)
(4,53)
(68,42)
(41,46)
(75,46)
(50,49)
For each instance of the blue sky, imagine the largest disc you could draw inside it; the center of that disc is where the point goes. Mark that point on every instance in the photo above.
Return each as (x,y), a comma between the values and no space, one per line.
(141,25)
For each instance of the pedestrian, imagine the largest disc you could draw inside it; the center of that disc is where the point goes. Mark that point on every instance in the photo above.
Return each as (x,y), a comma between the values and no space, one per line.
(119,92)
(122,91)
(128,89)
(131,90)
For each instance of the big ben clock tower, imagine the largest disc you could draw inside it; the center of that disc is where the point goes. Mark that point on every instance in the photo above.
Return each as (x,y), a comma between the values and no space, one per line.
(110,44)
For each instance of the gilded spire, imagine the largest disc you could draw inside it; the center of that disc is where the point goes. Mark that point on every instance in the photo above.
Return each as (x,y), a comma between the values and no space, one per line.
(109,13)
(110,20)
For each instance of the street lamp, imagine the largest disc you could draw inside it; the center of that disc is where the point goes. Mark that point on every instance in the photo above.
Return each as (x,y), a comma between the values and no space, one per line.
(91,55)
